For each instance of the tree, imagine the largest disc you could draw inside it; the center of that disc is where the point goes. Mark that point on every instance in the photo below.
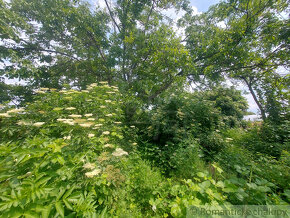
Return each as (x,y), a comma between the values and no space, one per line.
(242,40)
(52,43)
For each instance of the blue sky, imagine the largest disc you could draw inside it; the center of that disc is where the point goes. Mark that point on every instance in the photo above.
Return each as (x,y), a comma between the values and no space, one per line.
(203,5)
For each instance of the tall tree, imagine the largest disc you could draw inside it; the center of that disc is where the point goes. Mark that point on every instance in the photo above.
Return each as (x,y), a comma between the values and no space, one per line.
(246,40)
(51,43)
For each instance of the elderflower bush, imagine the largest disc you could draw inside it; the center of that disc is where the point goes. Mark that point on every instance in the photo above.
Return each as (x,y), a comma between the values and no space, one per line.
(61,155)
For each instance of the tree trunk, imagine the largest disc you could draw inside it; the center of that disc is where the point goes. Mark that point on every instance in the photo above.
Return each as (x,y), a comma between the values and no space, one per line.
(263,113)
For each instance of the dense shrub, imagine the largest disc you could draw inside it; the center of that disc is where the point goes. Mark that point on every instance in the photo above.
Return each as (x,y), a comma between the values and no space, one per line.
(69,154)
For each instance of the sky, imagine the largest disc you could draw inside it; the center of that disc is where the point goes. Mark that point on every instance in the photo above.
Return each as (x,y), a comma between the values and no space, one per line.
(203,5)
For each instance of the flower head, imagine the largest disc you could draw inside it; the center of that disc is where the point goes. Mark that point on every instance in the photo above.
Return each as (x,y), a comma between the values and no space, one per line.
(93,173)
(86,125)
(16,110)
(108,146)
(21,122)
(89,166)
(75,115)
(67,137)
(91,135)
(38,124)
(88,115)
(70,108)
(106,133)
(119,152)
(4,115)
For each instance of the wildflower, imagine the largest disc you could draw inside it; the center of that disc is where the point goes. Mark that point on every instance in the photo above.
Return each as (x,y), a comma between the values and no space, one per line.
(103,82)
(132,126)
(4,115)
(108,101)
(109,115)
(89,166)
(75,115)
(93,173)
(102,106)
(70,108)
(86,125)
(119,152)
(110,92)
(91,119)
(94,85)
(67,137)
(117,122)
(108,146)
(53,90)
(61,119)
(86,91)
(88,115)
(20,123)
(39,92)
(134,143)
(70,123)
(16,110)
(57,109)
(106,133)
(38,124)
(229,139)
(98,125)
(91,135)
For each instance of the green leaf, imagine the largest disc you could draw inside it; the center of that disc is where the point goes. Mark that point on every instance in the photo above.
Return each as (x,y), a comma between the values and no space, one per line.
(59,208)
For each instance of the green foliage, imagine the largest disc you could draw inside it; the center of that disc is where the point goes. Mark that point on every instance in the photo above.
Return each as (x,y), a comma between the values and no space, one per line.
(240,161)
(230,102)
(186,160)
(165,128)
(55,153)
(146,148)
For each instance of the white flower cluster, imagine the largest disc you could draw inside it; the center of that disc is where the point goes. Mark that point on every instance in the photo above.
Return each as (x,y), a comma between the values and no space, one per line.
(119,152)
(94,172)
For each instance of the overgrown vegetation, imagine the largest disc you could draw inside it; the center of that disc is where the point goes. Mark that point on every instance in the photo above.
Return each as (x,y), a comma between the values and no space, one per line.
(121,117)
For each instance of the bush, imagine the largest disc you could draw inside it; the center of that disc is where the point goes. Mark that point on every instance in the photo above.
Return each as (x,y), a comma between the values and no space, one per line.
(186,161)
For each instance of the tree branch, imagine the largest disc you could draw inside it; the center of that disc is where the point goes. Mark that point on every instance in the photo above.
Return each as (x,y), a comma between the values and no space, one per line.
(111,15)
